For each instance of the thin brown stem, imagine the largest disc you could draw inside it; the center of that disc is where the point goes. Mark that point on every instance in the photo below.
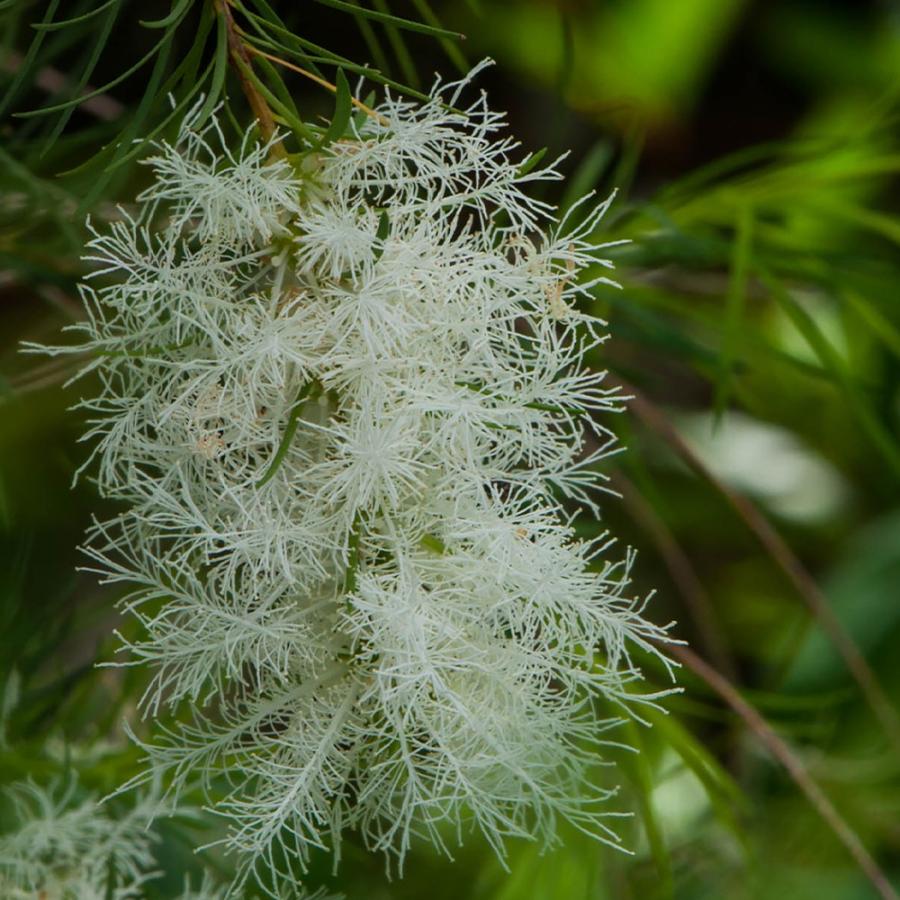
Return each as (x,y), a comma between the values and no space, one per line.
(682,573)
(795,768)
(240,60)
(785,559)
(322,82)
(56,371)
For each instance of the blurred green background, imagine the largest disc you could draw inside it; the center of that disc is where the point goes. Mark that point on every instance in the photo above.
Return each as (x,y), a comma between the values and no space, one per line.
(754,144)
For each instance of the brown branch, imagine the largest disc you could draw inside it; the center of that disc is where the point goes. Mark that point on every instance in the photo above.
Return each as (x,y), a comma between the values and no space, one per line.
(682,573)
(786,560)
(795,768)
(243,66)
(56,371)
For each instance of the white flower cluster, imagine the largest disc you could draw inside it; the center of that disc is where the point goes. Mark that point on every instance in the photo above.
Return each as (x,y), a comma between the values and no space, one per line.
(62,850)
(344,399)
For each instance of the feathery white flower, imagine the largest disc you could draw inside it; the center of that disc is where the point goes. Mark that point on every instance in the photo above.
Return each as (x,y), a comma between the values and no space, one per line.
(63,850)
(344,402)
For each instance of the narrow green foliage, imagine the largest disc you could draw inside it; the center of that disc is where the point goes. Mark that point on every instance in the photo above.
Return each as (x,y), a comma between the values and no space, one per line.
(373,44)
(283,113)
(77,89)
(273,36)
(59,24)
(638,769)
(879,325)
(588,172)
(531,161)
(127,139)
(868,419)
(734,306)
(58,107)
(567,51)
(724,793)
(343,107)
(389,19)
(179,8)
(398,44)
(282,45)
(310,391)
(26,69)
(285,97)
(220,65)
(360,116)
(451,47)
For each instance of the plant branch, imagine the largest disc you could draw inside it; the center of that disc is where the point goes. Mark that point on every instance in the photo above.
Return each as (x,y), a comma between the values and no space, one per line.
(795,768)
(682,572)
(243,66)
(322,82)
(786,560)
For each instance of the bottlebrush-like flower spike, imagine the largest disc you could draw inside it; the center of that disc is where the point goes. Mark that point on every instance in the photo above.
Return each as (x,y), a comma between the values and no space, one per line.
(345,401)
